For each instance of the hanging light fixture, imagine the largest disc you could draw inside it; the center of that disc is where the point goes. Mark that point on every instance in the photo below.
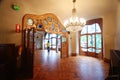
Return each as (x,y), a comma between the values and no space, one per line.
(74,24)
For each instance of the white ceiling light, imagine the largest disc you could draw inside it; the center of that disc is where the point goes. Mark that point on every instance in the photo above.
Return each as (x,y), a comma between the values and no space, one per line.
(74,24)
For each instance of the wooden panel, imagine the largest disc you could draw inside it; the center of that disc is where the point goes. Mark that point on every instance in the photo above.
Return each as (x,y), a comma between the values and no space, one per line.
(8,57)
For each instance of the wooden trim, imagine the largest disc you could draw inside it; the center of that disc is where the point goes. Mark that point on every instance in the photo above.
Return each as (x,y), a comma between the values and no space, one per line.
(106,60)
(73,54)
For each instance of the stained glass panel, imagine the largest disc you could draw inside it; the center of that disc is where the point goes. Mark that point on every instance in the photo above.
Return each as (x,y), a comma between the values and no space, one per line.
(64,30)
(49,19)
(45,22)
(52,25)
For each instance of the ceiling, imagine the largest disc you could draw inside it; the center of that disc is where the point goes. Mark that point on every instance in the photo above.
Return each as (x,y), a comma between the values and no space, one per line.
(88,9)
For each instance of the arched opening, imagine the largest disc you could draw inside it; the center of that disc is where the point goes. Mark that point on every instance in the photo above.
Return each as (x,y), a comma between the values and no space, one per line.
(37,30)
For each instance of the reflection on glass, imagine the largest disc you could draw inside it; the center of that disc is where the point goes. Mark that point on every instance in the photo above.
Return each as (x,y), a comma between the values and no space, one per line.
(83,41)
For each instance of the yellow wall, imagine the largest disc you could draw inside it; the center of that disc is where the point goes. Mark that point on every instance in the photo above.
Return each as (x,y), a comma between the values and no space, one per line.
(109,31)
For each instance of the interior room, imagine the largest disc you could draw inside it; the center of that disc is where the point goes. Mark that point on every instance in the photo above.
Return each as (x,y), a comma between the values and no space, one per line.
(59,40)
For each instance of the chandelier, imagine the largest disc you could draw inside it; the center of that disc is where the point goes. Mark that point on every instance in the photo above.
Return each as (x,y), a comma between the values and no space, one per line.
(74,24)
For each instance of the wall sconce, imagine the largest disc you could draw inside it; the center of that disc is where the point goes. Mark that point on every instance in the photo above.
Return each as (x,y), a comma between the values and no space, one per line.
(17,28)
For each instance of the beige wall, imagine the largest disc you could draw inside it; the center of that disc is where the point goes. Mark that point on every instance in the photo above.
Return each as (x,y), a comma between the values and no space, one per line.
(9,17)
(117,41)
(109,30)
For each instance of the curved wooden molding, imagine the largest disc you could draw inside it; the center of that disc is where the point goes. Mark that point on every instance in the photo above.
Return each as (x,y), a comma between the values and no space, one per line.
(49,21)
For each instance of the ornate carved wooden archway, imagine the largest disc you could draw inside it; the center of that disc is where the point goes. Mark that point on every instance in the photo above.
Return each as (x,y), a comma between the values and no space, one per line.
(46,22)
(49,23)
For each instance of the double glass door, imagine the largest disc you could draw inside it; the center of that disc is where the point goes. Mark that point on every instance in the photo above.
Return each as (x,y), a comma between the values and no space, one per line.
(91,40)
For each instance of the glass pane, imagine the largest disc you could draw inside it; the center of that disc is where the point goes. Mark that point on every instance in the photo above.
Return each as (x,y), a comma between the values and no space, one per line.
(52,35)
(84,30)
(49,19)
(58,26)
(46,35)
(52,25)
(63,39)
(59,40)
(59,35)
(98,51)
(84,49)
(64,30)
(45,42)
(91,49)
(83,41)
(98,28)
(45,22)
(53,41)
(91,28)
(91,41)
(30,21)
(98,41)
(53,46)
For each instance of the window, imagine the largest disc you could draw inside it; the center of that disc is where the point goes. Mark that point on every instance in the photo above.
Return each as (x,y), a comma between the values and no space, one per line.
(91,38)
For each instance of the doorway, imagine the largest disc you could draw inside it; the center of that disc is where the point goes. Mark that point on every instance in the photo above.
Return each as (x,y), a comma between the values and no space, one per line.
(42,37)
(37,30)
